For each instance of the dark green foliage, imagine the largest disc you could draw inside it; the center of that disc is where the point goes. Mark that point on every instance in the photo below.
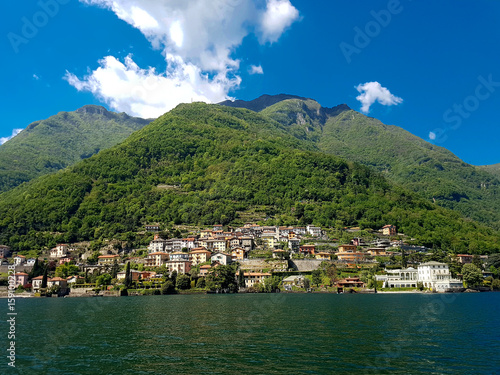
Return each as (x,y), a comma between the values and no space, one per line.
(62,140)
(44,278)
(114,270)
(430,170)
(202,164)
(183,282)
(200,283)
(128,276)
(104,279)
(173,277)
(222,278)
(316,277)
(37,270)
(471,275)
(168,287)
(67,269)
(493,169)
(494,261)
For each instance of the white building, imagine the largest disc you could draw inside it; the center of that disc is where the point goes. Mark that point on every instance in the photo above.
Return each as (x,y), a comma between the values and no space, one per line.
(30,262)
(399,278)
(157,245)
(19,259)
(222,258)
(436,276)
(314,231)
(433,275)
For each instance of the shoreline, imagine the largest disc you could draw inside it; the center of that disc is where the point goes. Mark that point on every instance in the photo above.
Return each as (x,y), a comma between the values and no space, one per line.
(281,292)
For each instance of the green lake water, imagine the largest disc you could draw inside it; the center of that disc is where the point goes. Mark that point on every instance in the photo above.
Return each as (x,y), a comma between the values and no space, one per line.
(258,334)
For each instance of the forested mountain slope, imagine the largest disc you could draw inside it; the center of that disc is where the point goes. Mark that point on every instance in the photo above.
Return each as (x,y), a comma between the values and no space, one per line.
(49,145)
(432,171)
(202,164)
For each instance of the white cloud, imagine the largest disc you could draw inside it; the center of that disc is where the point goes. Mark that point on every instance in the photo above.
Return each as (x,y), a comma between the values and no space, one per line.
(372,92)
(279,15)
(14,133)
(254,69)
(35,77)
(143,92)
(432,136)
(197,39)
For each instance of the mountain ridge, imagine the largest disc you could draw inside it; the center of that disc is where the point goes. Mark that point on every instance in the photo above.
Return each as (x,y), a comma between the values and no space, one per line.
(48,145)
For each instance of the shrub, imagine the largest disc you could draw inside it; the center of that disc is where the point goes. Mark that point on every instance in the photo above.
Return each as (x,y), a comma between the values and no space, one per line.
(168,287)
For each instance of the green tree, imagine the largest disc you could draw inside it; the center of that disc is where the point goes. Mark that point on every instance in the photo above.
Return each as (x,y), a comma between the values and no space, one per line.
(476,260)
(494,260)
(44,278)
(94,257)
(128,276)
(200,283)
(271,284)
(222,278)
(104,279)
(330,271)
(173,277)
(37,269)
(472,275)
(67,269)
(495,284)
(241,279)
(183,282)
(307,283)
(404,262)
(168,287)
(115,269)
(316,277)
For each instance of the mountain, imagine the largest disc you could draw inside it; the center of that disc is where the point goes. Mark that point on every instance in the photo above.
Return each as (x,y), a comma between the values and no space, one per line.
(49,145)
(432,171)
(206,164)
(260,103)
(493,169)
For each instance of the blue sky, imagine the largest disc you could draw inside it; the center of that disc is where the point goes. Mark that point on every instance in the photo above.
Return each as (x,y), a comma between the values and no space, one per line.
(430,67)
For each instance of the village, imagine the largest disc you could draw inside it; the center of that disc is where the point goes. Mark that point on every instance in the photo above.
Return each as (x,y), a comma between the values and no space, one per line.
(262,258)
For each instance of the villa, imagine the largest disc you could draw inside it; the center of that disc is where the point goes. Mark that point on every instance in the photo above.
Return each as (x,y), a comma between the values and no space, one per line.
(436,276)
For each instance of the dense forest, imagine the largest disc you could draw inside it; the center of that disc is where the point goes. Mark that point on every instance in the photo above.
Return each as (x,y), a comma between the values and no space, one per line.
(432,171)
(202,164)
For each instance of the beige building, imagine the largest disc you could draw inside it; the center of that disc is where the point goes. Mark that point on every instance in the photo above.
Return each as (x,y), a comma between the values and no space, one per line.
(60,251)
(181,266)
(103,260)
(238,254)
(389,230)
(269,239)
(156,259)
(252,278)
(199,255)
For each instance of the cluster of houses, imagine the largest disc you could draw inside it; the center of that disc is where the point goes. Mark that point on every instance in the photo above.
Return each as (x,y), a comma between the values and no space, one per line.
(214,246)
(22,278)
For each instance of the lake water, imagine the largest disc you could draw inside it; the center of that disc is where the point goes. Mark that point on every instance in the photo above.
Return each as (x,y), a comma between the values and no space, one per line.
(258,334)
